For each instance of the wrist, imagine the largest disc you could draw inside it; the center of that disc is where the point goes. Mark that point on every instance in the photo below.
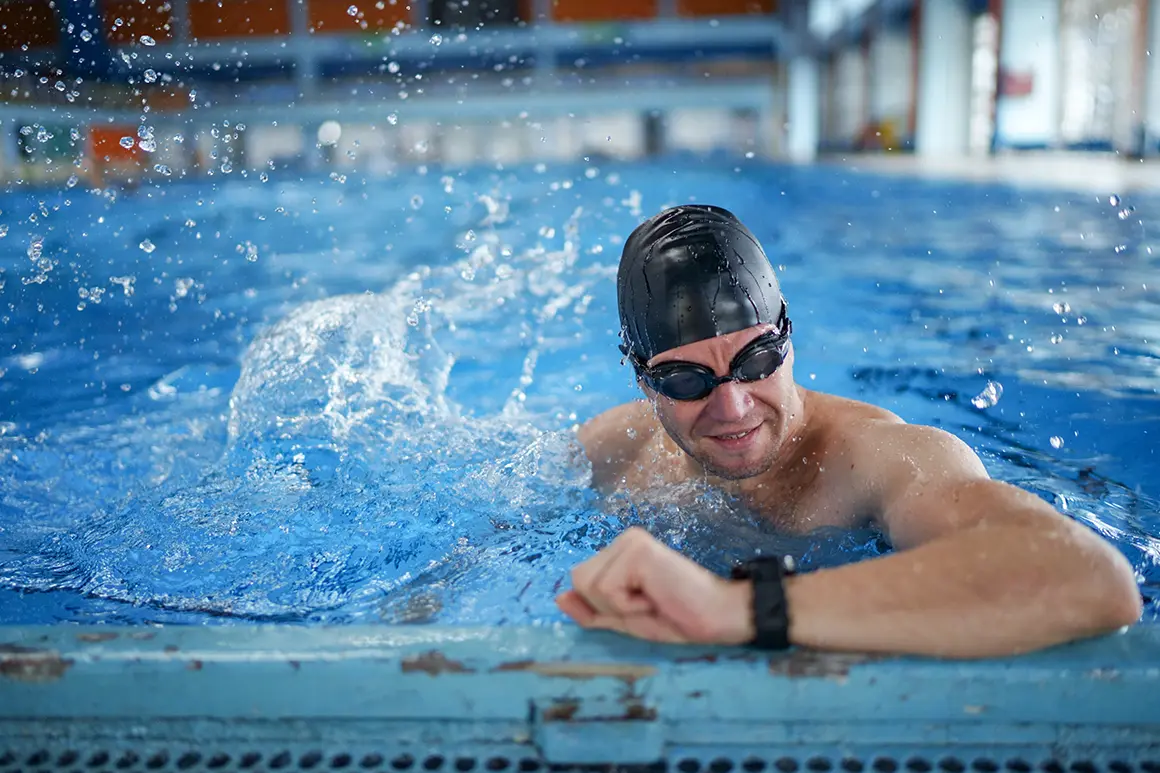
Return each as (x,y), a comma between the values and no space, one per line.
(737,622)
(765,580)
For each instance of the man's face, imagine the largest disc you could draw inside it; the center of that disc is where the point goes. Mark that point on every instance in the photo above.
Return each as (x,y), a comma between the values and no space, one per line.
(737,431)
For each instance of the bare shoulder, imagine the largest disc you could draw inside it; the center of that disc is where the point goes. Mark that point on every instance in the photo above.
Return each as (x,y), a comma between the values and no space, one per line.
(615,439)
(834,411)
(884,455)
(882,452)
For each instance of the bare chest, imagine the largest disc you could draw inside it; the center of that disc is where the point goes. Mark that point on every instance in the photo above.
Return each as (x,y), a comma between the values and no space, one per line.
(799,500)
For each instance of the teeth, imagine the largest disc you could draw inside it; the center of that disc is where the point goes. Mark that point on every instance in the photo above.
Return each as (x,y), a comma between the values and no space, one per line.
(737,435)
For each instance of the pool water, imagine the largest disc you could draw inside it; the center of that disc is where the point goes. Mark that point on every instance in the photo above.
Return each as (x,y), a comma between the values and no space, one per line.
(353,399)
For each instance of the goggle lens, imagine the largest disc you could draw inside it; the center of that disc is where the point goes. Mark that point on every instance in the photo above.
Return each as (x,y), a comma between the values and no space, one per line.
(689,381)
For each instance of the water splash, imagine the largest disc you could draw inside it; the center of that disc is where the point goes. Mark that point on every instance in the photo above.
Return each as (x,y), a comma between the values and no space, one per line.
(989,397)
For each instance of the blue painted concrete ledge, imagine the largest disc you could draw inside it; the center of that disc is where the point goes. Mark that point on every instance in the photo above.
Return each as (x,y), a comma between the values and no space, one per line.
(436,698)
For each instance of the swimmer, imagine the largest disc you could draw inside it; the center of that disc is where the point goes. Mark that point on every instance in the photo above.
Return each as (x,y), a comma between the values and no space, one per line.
(981,568)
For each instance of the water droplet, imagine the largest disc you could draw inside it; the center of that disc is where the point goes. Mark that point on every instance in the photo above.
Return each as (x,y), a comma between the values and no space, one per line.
(148,41)
(436,39)
(163,169)
(416,201)
(126,283)
(60,86)
(1114,200)
(127,142)
(150,76)
(393,118)
(264,177)
(352,11)
(1061,308)
(393,68)
(3,231)
(547,232)
(227,167)
(72,181)
(989,396)
(147,145)
(86,35)
(1056,441)
(182,286)
(179,138)
(147,246)
(1126,213)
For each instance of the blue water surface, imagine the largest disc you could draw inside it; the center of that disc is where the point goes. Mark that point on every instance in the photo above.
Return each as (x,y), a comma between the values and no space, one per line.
(353,399)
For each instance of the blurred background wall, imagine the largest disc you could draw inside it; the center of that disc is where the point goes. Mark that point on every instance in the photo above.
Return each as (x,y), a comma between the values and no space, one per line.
(135,89)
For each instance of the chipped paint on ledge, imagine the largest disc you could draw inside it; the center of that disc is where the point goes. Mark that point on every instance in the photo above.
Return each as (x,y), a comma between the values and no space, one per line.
(32,664)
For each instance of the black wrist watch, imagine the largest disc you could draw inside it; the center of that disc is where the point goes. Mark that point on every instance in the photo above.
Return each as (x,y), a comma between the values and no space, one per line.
(770,613)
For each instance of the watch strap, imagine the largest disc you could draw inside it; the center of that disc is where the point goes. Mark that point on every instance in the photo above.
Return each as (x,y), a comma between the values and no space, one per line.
(770,611)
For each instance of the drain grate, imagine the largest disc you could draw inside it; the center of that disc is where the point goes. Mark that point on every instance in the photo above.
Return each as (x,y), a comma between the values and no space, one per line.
(119,760)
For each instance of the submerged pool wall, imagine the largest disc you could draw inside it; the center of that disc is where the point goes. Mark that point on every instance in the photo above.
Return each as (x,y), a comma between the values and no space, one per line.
(426,698)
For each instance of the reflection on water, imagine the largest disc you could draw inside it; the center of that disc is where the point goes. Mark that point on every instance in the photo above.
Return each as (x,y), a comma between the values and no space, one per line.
(235,429)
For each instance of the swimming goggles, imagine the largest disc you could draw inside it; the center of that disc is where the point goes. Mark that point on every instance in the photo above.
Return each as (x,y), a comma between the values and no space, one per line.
(760,358)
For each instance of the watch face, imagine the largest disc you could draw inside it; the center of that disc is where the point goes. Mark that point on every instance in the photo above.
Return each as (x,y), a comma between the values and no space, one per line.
(746,570)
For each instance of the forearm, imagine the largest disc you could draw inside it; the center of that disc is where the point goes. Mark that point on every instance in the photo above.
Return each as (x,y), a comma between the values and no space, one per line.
(982,592)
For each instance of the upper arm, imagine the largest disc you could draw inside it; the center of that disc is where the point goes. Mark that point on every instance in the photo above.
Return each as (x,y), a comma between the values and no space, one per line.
(922,482)
(612,440)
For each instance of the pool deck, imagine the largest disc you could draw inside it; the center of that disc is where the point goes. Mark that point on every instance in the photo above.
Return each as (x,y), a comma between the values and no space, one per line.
(521,697)
(1097,173)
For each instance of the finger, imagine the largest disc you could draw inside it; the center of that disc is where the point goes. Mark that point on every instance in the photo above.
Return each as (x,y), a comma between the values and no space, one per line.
(621,585)
(648,627)
(587,574)
(602,580)
(574,606)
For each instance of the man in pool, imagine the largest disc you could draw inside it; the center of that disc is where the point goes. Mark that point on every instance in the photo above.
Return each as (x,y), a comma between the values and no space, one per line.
(981,568)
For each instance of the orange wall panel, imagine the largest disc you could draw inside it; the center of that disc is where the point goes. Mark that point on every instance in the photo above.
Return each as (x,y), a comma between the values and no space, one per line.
(238,18)
(603,10)
(724,7)
(31,23)
(327,16)
(106,141)
(153,18)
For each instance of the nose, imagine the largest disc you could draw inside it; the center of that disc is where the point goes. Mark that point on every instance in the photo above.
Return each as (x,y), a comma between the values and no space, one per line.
(729,402)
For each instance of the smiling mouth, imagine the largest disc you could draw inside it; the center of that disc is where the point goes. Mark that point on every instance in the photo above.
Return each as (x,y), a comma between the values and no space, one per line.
(735,435)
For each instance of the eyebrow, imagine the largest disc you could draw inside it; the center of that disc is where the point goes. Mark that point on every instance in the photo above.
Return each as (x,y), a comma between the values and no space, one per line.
(740,349)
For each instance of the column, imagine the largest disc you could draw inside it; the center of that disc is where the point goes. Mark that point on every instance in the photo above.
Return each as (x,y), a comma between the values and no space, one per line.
(84,49)
(1152,82)
(1028,108)
(803,84)
(179,21)
(944,79)
(890,97)
(302,42)
(803,109)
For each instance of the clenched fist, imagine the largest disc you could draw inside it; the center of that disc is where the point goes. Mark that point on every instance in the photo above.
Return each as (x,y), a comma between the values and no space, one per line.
(639,587)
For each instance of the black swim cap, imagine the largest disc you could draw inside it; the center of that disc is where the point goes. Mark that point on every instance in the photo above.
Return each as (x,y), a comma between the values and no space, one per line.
(690,273)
